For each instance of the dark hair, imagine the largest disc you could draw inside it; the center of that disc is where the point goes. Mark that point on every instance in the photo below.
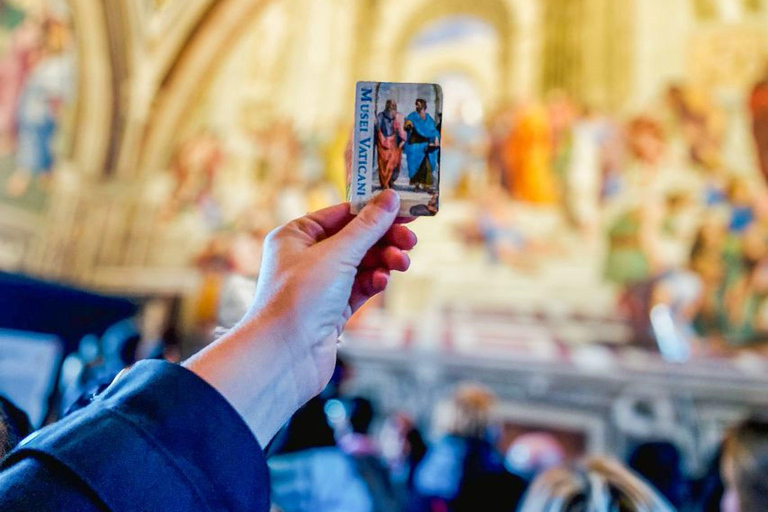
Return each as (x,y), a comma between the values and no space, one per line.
(422,101)
(746,449)
(660,463)
(307,429)
(14,426)
(361,415)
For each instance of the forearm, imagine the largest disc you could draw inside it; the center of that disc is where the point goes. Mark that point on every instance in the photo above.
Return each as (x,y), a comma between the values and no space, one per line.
(251,368)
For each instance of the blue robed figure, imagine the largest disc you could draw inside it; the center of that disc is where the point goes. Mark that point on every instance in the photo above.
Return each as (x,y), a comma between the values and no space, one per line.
(422,146)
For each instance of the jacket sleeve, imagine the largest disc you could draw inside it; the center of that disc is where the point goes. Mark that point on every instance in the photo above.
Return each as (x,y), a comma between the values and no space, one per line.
(159,438)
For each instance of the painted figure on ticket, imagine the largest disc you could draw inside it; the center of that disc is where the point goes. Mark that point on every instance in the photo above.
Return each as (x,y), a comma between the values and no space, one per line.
(421,149)
(390,139)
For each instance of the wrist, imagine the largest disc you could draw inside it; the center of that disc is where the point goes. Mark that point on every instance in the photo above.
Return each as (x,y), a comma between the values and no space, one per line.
(251,366)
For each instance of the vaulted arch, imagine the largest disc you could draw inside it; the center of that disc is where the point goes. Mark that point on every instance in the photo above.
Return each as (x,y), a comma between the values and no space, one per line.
(95,93)
(496,13)
(191,75)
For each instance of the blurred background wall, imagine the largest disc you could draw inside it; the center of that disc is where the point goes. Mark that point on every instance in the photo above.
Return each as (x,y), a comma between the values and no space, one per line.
(152,113)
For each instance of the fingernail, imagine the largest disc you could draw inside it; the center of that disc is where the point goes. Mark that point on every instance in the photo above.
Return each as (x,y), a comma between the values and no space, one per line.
(388,200)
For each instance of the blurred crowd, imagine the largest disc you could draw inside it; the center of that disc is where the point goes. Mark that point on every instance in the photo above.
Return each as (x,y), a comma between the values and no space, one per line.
(343,452)
(340,452)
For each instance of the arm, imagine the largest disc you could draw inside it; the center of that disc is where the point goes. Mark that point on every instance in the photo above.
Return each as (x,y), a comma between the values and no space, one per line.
(316,272)
(153,440)
(169,437)
(400,129)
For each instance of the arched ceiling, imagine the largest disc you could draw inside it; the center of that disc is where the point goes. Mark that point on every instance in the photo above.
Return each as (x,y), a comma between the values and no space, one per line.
(463,68)
(187,80)
(222,25)
(162,29)
(495,12)
(95,100)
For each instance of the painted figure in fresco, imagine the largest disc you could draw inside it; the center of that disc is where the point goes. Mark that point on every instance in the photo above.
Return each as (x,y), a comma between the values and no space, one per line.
(562,114)
(499,124)
(422,147)
(48,88)
(746,287)
(22,42)
(390,139)
(758,105)
(584,174)
(461,158)
(528,157)
(707,261)
(194,167)
(700,124)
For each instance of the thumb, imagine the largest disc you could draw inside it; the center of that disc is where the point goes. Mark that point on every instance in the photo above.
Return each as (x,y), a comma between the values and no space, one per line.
(369,226)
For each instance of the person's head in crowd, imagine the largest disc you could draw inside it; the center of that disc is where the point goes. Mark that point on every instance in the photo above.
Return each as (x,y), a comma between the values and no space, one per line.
(660,463)
(361,415)
(708,490)
(118,344)
(14,426)
(469,412)
(745,466)
(402,444)
(595,485)
(307,429)
(532,453)
(464,469)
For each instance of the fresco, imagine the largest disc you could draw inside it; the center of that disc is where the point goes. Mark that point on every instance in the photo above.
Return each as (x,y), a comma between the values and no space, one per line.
(37,97)
(654,203)
(645,206)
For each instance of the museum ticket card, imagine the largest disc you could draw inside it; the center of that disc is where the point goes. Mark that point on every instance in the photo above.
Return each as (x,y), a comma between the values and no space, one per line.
(396,145)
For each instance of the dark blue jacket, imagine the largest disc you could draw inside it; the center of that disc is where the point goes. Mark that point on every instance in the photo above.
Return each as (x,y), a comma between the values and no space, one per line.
(159,438)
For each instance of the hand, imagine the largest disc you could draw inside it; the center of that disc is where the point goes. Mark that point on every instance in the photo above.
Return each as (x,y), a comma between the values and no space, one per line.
(316,272)
(319,269)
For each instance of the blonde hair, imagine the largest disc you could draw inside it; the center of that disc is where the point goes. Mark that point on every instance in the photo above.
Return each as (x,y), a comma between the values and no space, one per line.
(595,485)
(467,413)
(746,451)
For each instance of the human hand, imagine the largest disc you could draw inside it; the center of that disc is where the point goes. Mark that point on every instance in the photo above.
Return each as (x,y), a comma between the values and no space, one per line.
(319,269)
(316,272)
